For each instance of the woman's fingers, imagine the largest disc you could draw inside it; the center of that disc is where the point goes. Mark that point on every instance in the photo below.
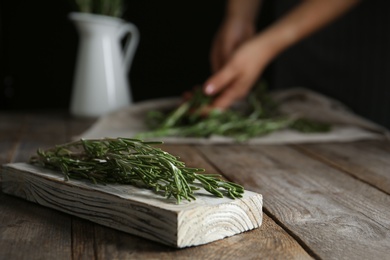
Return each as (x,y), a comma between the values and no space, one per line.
(222,79)
(228,86)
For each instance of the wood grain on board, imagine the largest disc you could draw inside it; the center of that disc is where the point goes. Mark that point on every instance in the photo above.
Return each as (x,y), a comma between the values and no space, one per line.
(135,210)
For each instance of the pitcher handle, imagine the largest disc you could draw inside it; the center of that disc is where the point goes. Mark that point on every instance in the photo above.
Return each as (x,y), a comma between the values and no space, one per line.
(131,43)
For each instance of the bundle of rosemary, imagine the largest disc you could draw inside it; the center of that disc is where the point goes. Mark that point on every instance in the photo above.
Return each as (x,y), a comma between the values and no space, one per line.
(258,116)
(135,162)
(103,7)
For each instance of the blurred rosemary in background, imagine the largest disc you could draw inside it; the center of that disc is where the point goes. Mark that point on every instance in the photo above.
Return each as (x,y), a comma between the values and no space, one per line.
(258,116)
(112,8)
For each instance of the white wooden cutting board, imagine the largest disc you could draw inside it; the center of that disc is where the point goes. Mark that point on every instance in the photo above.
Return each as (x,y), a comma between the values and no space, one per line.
(136,211)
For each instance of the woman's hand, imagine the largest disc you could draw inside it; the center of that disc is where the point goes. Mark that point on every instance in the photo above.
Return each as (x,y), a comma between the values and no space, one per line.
(237,76)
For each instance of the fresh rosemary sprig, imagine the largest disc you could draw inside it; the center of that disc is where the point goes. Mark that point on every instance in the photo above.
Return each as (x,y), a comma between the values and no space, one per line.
(135,162)
(112,8)
(259,117)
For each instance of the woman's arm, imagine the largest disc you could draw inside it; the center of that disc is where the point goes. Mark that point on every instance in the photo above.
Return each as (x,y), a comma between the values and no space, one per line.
(238,26)
(238,74)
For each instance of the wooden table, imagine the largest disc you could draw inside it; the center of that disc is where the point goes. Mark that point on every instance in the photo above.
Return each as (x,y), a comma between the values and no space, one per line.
(321,201)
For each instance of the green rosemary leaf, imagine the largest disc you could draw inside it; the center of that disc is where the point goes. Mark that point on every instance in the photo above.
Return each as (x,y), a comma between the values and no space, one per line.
(112,8)
(134,162)
(309,126)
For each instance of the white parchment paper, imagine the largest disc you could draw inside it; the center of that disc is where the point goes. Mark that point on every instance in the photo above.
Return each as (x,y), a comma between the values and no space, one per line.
(346,126)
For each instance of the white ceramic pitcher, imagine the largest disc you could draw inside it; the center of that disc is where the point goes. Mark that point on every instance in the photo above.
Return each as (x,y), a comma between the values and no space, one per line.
(100,82)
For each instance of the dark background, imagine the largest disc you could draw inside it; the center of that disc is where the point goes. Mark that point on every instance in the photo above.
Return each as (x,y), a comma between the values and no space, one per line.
(349,60)
(175,38)
(39,48)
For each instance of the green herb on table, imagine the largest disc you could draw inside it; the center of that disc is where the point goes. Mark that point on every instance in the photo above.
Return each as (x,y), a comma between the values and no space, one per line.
(309,126)
(259,116)
(135,162)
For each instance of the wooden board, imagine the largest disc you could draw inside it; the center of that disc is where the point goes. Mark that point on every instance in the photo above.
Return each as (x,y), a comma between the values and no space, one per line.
(136,211)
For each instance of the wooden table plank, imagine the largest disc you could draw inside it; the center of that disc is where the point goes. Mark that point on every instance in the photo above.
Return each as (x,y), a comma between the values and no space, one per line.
(332,213)
(7,149)
(83,239)
(11,126)
(10,123)
(77,125)
(334,204)
(33,132)
(29,231)
(365,160)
